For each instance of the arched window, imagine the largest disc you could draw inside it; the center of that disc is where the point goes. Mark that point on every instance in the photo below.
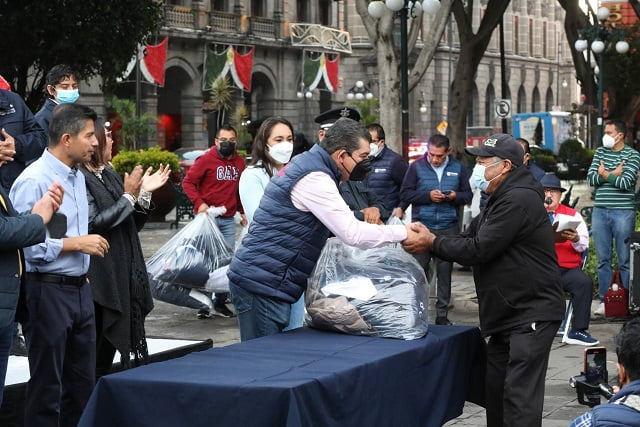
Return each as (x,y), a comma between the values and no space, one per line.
(522,100)
(535,100)
(489,100)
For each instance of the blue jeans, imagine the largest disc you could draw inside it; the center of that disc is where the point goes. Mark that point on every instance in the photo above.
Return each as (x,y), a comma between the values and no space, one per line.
(258,316)
(6,338)
(608,225)
(227,227)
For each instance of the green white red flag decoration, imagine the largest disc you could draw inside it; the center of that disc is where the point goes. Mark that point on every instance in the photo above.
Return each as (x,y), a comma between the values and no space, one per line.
(320,68)
(152,59)
(219,64)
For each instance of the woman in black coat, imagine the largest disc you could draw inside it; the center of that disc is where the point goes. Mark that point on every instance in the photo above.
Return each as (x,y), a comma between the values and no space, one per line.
(121,294)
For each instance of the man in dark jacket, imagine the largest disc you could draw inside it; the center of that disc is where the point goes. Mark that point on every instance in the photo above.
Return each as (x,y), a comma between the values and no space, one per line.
(22,140)
(511,248)
(623,409)
(16,232)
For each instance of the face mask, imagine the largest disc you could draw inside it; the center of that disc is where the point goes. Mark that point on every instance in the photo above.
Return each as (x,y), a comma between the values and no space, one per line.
(65,96)
(281,152)
(478,176)
(227,148)
(373,149)
(360,170)
(608,141)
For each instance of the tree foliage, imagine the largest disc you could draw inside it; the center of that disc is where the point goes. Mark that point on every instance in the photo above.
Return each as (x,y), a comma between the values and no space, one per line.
(621,81)
(94,37)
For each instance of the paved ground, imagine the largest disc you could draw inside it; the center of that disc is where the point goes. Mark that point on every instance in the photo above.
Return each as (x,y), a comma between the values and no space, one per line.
(561,404)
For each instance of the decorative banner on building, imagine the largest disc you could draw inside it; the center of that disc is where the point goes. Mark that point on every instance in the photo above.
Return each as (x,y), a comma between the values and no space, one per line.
(319,68)
(4,84)
(219,64)
(152,59)
(620,13)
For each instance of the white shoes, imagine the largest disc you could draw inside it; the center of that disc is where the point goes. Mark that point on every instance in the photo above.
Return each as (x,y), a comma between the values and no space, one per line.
(600,310)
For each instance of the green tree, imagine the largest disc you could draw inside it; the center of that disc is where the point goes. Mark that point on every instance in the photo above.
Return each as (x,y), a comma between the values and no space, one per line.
(131,129)
(94,37)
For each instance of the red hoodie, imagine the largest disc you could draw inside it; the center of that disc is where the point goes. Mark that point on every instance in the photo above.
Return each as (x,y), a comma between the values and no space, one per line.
(214,181)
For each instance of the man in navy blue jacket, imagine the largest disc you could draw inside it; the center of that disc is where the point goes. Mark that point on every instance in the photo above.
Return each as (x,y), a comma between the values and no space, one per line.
(437,185)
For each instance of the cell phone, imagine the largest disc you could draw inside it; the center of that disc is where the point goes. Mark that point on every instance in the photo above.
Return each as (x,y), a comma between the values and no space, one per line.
(445,192)
(57,226)
(595,364)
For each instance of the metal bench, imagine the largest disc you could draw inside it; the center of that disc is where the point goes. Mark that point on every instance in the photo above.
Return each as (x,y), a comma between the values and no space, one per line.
(184,207)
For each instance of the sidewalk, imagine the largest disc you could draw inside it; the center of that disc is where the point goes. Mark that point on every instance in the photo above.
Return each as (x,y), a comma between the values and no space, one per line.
(561,405)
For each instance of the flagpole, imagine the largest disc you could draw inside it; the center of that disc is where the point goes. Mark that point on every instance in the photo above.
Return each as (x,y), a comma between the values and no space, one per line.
(138,90)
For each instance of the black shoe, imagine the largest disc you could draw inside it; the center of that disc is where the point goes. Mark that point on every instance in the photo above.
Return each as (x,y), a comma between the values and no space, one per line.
(204,314)
(18,347)
(443,321)
(222,310)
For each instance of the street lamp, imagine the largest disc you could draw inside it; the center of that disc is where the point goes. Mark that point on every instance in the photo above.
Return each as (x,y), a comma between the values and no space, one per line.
(304,94)
(422,103)
(599,35)
(404,9)
(360,91)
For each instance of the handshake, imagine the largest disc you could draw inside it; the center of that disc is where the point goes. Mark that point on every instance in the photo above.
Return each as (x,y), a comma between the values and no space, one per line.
(419,238)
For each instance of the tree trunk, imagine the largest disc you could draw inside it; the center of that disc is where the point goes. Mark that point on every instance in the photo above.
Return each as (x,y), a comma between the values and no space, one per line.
(459,103)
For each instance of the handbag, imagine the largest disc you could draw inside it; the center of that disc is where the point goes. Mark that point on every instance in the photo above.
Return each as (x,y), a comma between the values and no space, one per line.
(616,299)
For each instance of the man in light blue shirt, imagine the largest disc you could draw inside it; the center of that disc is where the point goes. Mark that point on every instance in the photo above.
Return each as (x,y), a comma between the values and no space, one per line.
(60,325)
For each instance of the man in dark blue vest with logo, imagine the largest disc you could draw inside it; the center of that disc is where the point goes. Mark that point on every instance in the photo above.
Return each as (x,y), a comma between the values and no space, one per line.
(301,206)
(437,186)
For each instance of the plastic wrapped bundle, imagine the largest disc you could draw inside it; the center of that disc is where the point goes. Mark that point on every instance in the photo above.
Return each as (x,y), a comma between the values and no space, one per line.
(179,295)
(190,256)
(378,292)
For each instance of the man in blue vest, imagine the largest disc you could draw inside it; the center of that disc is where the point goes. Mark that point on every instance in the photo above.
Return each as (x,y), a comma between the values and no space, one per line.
(300,208)
(437,186)
(623,409)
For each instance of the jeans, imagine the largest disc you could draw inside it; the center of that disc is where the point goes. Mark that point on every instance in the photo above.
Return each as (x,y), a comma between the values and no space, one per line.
(608,225)
(6,338)
(227,227)
(258,316)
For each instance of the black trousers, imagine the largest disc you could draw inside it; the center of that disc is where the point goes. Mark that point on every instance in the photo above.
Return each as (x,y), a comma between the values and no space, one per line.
(61,339)
(516,368)
(579,285)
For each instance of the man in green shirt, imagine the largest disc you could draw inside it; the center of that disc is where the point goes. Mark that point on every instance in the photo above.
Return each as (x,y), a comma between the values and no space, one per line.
(613,174)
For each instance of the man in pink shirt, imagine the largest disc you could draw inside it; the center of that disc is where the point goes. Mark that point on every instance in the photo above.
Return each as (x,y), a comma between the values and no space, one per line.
(300,208)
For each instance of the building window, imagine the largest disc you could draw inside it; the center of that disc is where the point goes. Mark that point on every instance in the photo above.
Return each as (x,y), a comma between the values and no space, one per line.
(535,101)
(257,8)
(489,100)
(218,5)
(302,11)
(324,12)
(522,100)
(544,39)
(530,36)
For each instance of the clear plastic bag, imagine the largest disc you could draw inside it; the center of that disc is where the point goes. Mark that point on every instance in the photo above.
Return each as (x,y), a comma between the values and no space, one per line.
(378,292)
(190,256)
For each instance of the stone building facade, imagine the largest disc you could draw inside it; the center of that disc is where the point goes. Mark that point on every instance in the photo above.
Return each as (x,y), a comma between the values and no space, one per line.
(537,56)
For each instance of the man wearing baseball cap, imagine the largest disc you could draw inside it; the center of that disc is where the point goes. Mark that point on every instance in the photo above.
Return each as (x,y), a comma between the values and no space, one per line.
(511,248)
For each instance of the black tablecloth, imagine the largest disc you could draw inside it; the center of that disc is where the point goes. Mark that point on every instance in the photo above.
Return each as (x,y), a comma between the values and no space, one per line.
(304,377)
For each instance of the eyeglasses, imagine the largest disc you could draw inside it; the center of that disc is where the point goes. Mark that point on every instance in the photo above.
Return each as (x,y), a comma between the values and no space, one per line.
(551,190)
(233,140)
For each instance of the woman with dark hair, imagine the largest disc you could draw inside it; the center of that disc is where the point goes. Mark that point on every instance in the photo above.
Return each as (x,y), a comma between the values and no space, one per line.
(272,149)
(119,283)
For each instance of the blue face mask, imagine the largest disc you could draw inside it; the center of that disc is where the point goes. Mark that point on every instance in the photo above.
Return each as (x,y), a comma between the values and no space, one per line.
(67,96)
(478,176)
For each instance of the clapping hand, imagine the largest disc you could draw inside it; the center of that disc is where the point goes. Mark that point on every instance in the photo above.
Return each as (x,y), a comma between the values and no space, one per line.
(133,181)
(151,182)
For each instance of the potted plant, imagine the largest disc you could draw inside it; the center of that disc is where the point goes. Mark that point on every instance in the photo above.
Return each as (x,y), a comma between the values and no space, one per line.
(163,198)
(129,128)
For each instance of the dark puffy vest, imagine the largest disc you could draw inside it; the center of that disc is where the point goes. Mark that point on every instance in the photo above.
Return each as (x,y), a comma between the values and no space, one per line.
(437,216)
(379,179)
(616,413)
(283,243)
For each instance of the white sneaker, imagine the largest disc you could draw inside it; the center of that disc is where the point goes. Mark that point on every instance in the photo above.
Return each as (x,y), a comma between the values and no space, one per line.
(600,310)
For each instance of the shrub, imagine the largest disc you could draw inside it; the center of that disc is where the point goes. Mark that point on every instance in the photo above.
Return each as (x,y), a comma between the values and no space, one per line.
(126,160)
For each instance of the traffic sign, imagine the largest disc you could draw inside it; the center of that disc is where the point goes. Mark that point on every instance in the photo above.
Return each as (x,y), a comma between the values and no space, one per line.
(502,108)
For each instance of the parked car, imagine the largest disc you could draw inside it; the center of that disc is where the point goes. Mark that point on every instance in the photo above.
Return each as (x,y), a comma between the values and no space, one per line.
(188,156)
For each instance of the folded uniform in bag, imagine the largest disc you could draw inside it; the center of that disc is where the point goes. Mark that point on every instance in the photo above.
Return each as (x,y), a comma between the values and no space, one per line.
(378,292)
(190,256)
(179,295)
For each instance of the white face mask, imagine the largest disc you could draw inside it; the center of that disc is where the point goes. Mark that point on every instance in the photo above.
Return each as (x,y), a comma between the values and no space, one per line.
(478,176)
(281,152)
(373,149)
(608,141)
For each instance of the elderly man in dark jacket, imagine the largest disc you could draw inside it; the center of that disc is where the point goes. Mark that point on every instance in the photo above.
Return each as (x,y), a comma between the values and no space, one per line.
(511,248)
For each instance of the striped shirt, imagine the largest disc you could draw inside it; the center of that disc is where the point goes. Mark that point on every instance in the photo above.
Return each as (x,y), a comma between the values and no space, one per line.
(617,192)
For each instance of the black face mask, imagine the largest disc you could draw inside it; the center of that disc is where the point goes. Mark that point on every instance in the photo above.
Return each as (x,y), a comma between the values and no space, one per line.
(360,170)
(227,148)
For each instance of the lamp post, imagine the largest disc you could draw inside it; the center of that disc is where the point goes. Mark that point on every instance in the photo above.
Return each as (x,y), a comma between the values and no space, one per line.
(305,94)
(360,91)
(599,36)
(404,9)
